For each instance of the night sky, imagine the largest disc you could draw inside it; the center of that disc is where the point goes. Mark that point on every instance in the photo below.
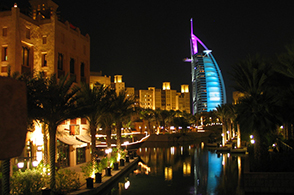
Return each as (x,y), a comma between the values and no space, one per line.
(146,41)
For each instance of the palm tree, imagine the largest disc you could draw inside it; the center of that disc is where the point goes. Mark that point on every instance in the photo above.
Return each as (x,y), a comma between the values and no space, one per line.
(164,115)
(122,107)
(284,88)
(92,101)
(157,119)
(58,105)
(148,115)
(222,114)
(254,111)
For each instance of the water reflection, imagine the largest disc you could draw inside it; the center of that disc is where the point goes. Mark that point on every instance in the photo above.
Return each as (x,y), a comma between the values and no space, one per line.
(190,169)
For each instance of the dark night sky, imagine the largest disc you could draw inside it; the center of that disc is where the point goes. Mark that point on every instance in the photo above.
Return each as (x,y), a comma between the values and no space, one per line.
(146,41)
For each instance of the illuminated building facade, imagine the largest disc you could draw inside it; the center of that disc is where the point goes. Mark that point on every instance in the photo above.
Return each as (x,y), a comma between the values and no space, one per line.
(40,42)
(208,88)
(165,98)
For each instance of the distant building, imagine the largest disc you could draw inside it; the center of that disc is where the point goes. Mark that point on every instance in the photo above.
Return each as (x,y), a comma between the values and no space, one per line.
(236,97)
(208,88)
(96,77)
(165,98)
(40,42)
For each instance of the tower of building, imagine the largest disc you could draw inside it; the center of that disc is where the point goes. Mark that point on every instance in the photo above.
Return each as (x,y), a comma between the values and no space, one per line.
(208,88)
(40,42)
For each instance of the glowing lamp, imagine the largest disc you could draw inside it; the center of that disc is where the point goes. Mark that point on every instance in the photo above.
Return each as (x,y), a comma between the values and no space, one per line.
(252,141)
(109,150)
(20,165)
(251,136)
(35,163)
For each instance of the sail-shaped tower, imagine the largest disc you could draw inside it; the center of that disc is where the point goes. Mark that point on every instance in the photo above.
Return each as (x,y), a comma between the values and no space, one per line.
(208,88)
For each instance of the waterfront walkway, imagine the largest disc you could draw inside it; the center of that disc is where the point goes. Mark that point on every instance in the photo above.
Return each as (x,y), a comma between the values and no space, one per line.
(105,180)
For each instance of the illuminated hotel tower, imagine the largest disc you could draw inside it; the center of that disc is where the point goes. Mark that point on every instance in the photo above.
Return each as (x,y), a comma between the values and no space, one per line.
(208,88)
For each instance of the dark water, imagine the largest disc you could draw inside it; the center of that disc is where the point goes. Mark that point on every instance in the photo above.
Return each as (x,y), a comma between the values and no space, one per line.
(181,169)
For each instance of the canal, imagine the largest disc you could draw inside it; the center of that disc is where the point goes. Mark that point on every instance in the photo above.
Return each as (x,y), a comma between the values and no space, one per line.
(181,169)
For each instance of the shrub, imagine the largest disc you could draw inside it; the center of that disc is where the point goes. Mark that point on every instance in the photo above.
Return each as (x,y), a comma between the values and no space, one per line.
(67,181)
(27,182)
(88,169)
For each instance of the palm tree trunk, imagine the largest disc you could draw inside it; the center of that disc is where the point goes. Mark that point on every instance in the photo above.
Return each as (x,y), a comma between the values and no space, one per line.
(257,146)
(52,144)
(45,140)
(118,134)
(6,177)
(108,136)
(224,134)
(229,130)
(93,141)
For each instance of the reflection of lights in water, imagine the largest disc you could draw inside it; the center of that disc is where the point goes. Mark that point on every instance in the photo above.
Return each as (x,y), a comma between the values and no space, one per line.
(145,149)
(172,150)
(202,145)
(140,150)
(239,168)
(186,169)
(229,155)
(168,173)
(148,169)
(181,150)
(127,184)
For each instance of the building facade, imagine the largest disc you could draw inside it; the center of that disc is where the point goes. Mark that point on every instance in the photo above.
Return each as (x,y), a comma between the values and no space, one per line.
(165,98)
(208,88)
(40,42)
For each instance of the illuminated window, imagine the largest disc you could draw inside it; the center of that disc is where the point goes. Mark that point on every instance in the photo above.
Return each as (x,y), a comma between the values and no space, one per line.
(83,121)
(74,130)
(4,53)
(4,32)
(44,59)
(73,121)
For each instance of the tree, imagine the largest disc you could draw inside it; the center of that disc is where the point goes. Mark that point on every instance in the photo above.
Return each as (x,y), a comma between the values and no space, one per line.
(92,101)
(254,111)
(121,107)
(222,114)
(148,115)
(58,105)
(283,87)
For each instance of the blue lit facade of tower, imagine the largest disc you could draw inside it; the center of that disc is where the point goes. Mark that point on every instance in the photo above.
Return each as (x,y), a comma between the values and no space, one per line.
(208,88)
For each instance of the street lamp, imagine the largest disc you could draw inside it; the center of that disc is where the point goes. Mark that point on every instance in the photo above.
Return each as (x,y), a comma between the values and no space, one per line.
(252,141)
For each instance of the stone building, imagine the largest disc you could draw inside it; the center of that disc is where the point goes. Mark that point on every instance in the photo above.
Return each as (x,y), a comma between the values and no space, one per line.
(40,42)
